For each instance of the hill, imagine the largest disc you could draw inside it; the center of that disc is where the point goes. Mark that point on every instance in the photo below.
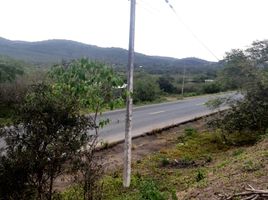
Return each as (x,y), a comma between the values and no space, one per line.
(54,51)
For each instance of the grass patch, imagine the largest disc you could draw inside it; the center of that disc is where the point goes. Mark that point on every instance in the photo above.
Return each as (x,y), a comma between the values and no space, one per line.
(5,121)
(251,166)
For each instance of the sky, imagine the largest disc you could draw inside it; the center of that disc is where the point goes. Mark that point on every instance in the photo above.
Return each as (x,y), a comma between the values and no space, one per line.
(198,28)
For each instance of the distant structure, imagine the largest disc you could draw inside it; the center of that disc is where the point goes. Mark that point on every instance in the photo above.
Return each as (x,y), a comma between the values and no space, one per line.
(209,80)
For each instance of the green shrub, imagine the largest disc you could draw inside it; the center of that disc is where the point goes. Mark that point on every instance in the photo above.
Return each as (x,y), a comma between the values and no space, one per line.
(199,176)
(190,131)
(250,166)
(72,193)
(48,132)
(146,90)
(238,152)
(208,158)
(165,161)
(248,70)
(210,88)
(166,85)
(149,191)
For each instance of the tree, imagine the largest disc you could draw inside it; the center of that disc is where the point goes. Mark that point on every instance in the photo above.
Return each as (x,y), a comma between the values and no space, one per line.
(9,72)
(247,114)
(165,84)
(95,86)
(9,95)
(238,70)
(210,88)
(92,83)
(258,53)
(146,90)
(48,131)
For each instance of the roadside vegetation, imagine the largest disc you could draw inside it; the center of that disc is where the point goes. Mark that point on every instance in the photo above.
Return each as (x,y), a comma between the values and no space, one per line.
(190,164)
(48,136)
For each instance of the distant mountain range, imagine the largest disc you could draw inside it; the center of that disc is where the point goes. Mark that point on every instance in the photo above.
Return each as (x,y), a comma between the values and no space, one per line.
(55,51)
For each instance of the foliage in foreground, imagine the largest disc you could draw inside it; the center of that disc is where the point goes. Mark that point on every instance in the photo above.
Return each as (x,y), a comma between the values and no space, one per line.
(47,133)
(50,137)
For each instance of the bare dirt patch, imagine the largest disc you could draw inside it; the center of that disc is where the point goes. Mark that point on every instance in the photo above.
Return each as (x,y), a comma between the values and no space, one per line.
(112,157)
(148,144)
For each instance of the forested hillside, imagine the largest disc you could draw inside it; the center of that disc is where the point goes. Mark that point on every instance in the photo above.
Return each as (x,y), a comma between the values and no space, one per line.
(55,51)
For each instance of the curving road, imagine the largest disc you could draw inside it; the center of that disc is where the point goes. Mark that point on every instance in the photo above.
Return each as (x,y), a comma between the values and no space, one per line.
(151,117)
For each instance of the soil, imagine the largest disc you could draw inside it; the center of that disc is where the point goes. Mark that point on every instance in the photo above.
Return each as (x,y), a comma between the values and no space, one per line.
(145,145)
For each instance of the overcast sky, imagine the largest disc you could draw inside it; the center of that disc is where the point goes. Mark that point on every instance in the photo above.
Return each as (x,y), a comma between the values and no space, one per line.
(220,25)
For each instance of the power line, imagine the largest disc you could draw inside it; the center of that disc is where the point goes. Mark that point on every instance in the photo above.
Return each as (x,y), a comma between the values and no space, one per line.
(190,30)
(148,7)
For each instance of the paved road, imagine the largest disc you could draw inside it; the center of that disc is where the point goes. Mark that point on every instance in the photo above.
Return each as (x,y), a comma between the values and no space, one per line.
(151,117)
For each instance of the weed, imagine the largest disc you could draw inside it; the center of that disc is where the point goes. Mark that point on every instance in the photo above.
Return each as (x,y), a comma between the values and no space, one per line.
(222,164)
(199,176)
(250,166)
(138,175)
(180,139)
(208,158)
(173,195)
(149,191)
(115,174)
(238,152)
(187,159)
(164,162)
(73,193)
(190,131)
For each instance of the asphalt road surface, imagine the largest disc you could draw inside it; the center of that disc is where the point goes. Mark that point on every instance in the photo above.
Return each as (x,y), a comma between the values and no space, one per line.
(151,117)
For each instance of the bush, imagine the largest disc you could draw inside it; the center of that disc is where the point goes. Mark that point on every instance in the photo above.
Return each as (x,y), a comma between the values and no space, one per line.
(199,176)
(247,115)
(47,133)
(146,90)
(149,191)
(165,162)
(8,72)
(190,131)
(210,88)
(165,84)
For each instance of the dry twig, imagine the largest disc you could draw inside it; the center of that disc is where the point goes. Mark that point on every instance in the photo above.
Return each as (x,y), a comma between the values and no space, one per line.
(251,194)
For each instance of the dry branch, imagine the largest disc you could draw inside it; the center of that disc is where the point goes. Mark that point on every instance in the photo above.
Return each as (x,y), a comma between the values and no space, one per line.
(251,194)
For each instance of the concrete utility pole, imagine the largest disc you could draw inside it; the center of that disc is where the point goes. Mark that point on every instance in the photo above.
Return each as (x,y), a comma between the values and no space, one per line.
(128,137)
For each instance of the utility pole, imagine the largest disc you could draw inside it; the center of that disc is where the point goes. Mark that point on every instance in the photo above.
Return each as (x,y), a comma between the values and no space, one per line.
(183,80)
(128,137)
